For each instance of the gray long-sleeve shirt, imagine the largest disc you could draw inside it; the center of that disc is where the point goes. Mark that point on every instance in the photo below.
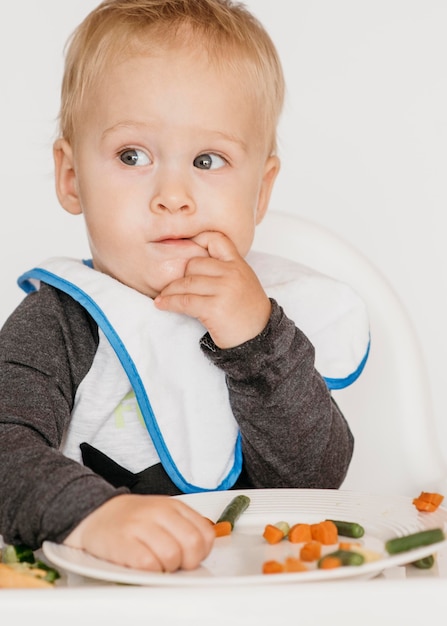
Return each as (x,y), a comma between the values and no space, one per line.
(293,434)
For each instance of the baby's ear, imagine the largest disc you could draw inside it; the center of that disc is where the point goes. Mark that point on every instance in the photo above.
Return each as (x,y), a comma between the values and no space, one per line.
(65,174)
(271,170)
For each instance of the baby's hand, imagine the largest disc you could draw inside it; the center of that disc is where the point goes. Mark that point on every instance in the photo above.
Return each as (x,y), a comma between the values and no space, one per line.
(221,291)
(155,533)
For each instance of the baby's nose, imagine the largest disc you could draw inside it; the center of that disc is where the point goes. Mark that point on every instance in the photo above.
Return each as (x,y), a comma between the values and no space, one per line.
(172,194)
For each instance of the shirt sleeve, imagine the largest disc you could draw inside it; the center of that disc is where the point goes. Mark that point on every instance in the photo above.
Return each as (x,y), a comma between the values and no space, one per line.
(43,494)
(293,433)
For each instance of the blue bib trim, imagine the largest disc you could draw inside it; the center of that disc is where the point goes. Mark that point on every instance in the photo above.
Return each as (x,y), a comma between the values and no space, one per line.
(341,383)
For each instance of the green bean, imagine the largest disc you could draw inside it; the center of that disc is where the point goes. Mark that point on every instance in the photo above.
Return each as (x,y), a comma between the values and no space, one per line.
(234,510)
(414,540)
(349,529)
(425,563)
(346,557)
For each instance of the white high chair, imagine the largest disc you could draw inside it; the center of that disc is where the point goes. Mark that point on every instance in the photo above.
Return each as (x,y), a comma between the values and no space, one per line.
(389,407)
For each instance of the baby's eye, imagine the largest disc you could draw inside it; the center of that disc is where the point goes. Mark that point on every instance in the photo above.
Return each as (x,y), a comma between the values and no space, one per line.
(209,161)
(134,157)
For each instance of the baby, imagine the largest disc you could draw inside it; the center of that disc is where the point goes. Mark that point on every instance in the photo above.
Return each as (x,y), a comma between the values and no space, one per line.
(175,360)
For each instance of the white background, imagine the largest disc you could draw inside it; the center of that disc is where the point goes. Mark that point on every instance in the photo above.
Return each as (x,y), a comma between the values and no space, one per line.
(363,141)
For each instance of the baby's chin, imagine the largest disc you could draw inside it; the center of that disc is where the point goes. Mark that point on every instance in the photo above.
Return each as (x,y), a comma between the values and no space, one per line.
(171,270)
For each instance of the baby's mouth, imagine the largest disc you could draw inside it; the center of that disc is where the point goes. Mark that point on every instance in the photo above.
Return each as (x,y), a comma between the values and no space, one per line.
(179,241)
(183,246)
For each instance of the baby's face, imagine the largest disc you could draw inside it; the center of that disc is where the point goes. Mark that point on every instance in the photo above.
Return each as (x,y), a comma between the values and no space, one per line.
(168,149)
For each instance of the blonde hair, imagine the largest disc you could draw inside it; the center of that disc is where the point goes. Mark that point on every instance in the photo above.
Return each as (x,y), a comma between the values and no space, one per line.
(233,38)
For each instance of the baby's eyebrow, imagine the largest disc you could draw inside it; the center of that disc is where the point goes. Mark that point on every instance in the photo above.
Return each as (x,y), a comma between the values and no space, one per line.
(208,134)
(126,125)
(230,138)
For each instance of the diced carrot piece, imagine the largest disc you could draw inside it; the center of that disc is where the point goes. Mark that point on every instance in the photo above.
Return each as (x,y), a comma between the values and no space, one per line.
(273,534)
(329,562)
(325,532)
(434,498)
(299,533)
(425,507)
(428,502)
(310,551)
(292,564)
(222,529)
(272,567)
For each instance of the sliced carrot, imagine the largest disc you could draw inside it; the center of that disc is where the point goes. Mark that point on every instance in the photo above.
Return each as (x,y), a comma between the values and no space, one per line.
(428,502)
(221,529)
(273,534)
(272,567)
(299,533)
(310,551)
(292,564)
(329,562)
(326,532)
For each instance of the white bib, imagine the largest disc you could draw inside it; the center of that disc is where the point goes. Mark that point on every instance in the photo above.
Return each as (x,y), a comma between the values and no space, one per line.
(152,396)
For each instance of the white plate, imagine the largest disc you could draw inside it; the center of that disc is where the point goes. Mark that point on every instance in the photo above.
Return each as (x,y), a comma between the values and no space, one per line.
(237,559)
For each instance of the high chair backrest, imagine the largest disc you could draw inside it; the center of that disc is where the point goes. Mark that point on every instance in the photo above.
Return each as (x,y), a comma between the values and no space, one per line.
(389,407)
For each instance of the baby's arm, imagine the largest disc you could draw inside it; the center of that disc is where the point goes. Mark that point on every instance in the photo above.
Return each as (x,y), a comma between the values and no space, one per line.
(43,494)
(293,434)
